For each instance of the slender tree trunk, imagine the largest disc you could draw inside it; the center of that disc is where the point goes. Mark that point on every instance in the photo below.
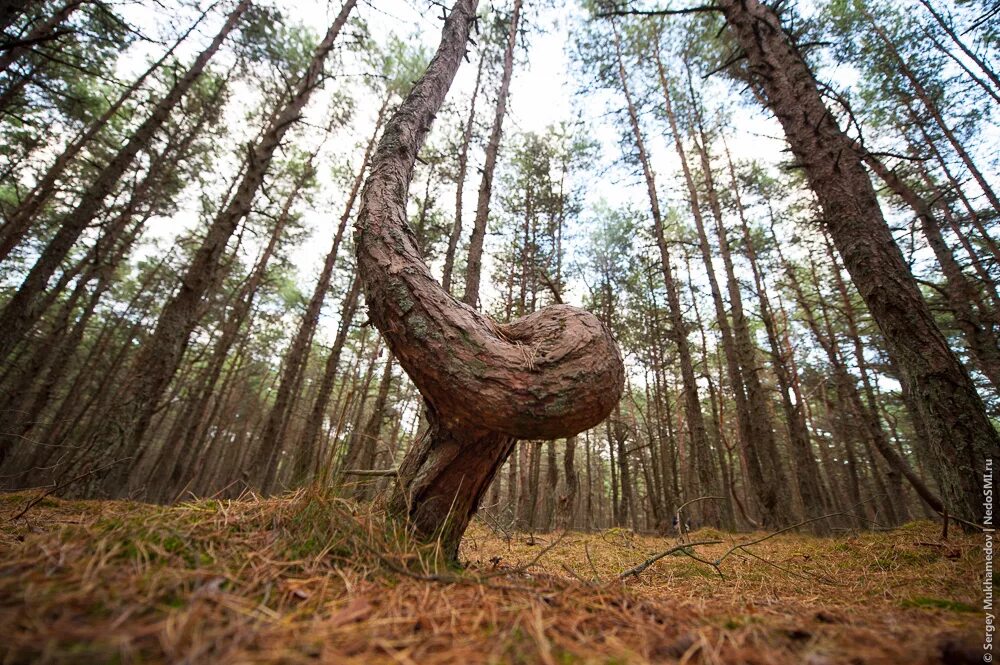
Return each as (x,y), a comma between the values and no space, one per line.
(18,221)
(935,113)
(474,265)
(807,474)
(167,473)
(962,296)
(309,441)
(678,328)
(759,429)
(968,52)
(848,392)
(367,442)
(44,30)
(160,356)
(766,492)
(463,166)
(272,437)
(567,500)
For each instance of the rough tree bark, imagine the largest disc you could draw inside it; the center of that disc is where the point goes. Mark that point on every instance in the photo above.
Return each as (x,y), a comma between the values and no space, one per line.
(309,443)
(273,435)
(961,294)
(157,361)
(551,374)
(678,328)
(18,221)
(806,471)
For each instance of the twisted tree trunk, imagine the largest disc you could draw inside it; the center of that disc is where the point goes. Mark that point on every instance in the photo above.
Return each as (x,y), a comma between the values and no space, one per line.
(550,374)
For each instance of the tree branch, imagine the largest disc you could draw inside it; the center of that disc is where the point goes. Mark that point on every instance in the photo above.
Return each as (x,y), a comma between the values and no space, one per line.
(658,12)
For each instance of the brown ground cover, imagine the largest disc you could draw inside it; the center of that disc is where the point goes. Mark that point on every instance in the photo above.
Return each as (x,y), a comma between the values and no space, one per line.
(307,578)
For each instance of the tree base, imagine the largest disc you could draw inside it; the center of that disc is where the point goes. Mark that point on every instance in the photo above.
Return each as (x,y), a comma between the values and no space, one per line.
(442,480)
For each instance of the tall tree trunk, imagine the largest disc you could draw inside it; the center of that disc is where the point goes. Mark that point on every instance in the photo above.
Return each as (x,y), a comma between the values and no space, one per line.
(474,265)
(962,296)
(272,437)
(758,429)
(463,166)
(309,440)
(18,221)
(847,390)
(962,436)
(925,98)
(159,357)
(764,485)
(366,443)
(807,475)
(566,511)
(22,311)
(551,484)
(968,52)
(168,471)
(678,327)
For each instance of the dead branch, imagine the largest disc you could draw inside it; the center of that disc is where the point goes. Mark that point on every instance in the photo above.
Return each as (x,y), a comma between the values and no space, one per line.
(653,559)
(58,486)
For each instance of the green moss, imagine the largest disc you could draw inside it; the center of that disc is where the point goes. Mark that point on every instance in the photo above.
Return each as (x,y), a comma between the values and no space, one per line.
(173,544)
(737,622)
(566,657)
(924,602)
(917,557)
(477,367)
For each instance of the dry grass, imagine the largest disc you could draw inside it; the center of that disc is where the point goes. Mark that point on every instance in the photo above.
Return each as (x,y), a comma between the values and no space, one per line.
(313,579)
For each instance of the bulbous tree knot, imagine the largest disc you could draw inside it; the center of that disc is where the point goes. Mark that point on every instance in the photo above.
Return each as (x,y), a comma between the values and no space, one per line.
(547,375)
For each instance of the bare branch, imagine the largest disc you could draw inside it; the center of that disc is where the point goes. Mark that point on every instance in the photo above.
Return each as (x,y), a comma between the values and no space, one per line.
(653,559)
(658,12)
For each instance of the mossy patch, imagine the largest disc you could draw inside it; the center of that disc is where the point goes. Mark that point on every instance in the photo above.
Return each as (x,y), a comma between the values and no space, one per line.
(923,602)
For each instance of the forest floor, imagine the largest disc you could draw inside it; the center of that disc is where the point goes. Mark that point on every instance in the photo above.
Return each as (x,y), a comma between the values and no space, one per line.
(305,579)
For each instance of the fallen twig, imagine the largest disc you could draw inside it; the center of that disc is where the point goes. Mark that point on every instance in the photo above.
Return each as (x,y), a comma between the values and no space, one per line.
(58,486)
(650,561)
(370,472)
(740,546)
(683,547)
